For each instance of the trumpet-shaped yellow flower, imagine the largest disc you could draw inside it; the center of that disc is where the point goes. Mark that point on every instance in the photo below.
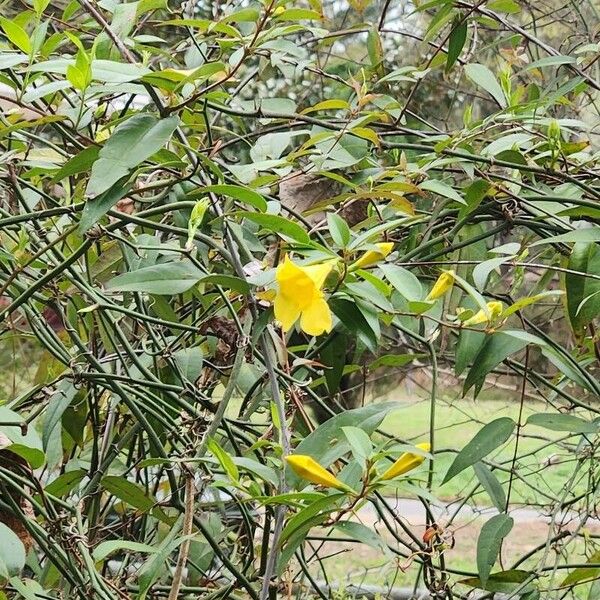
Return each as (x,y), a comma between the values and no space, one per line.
(494,310)
(300,296)
(443,284)
(407,462)
(371,257)
(308,468)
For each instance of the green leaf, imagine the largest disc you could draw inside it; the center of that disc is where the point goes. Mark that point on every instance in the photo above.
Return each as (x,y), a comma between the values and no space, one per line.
(16,35)
(12,553)
(442,189)
(489,543)
(394,360)
(501,582)
(550,61)
(482,271)
(403,281)
(486,440)
(64,483)
(582,574)
(340,232)
(227,281)
(467,347)
(40,6)
(278,225)
(189,361)
(583,297)
(79,163)
(96,208)
(362,533)
(333,355)
(57,405)
(505,6)
(359,441)
(491,485)
(225,460)
(589,234)
(353,320)
(497,347)
(527,301)
(24,440)
(131,493)
(105,549)
(374,47)
(456,43)
(131,143)
(238,192)
(562,422)
(480,75)
(163,279)
(154,566)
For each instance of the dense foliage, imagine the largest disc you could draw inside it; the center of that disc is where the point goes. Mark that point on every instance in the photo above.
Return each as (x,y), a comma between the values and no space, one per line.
(228,227)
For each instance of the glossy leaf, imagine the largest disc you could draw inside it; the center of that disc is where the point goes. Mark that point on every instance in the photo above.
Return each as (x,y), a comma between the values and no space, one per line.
(132,142)
(489,543)
(485,441)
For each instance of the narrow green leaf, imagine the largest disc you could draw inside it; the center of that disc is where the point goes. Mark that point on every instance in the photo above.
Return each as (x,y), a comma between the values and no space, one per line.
(363,534)
(403,281)
(501,582)
(162,279)
(339,230)
(489,543)
(12,553)
(497,347)
(486,440)
(583,297)
(105,549)
(456,43)
(238,192)
(278,225)
(481,75)
(16,35)
(131,493)
(131,143)
(491,485)
(562,422)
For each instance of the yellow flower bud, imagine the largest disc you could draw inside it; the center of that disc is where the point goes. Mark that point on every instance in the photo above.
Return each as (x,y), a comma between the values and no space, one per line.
(443,284)
(495,308)
(407,462)
(308,468)
(372,257)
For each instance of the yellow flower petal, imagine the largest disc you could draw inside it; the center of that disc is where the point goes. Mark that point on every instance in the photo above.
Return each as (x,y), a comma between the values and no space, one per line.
(371,257)
(443,284)
(308,468)
(319,273)
(287,311)
(299,295)
(316,317)
(494,310)
(294,283)
(407,462)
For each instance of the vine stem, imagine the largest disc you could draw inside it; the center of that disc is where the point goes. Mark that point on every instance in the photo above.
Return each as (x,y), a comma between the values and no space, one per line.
(188,523)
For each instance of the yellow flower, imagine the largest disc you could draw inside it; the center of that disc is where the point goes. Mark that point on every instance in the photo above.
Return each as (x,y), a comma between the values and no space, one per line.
(482,316)
(308,468)
(407,462)
(443,284)
(371,257)
(300,296)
